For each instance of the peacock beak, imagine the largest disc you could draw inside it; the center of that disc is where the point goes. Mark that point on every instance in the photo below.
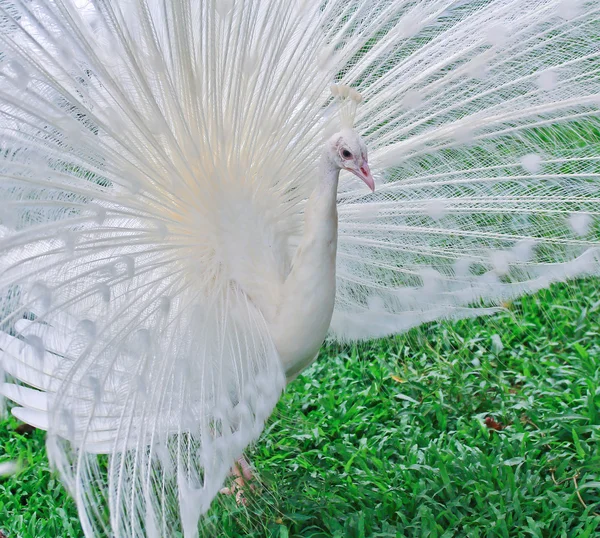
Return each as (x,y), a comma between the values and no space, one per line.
(364,173)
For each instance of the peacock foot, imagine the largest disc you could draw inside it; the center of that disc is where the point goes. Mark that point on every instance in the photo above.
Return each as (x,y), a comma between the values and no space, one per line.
(242,472)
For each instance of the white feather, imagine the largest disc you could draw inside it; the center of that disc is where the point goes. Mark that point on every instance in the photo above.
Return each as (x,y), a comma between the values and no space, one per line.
(8,468)
(156,161)
(34,399)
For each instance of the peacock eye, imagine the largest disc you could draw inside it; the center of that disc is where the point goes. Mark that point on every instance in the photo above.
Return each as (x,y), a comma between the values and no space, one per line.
(346,154)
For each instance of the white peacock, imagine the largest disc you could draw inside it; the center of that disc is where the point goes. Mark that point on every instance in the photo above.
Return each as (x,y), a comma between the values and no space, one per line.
(175,244)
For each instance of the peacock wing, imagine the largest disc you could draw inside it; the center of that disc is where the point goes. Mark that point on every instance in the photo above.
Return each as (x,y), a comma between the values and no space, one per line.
(482,122)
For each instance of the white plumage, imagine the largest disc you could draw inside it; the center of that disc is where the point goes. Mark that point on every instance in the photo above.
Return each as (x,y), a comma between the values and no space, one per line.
(163,263)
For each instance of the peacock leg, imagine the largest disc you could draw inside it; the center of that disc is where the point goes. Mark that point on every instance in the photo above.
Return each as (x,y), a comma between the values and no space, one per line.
(243,474)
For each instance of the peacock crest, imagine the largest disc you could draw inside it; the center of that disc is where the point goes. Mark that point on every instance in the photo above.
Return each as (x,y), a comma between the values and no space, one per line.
(347,100)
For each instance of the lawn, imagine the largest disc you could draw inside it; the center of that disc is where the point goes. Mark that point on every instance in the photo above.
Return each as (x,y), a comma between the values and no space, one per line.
(479,428)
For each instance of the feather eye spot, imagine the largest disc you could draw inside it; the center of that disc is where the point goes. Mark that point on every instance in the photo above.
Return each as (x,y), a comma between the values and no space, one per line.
(497,345)
(8,468)
(129,266)
(21,77)
(87,328)
(104,291)
(412,99)
(142,340)
(497,35)
(547,80)
(37,344)
(569,9)
(98,213)
(40,297)
(68,239)
(431,280)
(500,261)
(435,209)
(580,223)
(161,230)
(523,250)
(462,268)
(96,388)
(532,163)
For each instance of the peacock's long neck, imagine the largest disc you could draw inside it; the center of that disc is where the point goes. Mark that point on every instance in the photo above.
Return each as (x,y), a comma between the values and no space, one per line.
(308,293)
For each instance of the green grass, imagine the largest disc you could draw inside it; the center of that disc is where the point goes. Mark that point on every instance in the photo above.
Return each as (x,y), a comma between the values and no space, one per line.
(390,439)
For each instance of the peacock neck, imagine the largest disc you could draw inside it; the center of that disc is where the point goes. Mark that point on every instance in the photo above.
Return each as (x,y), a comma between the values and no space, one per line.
(308,293)
(320,215)
(324,194)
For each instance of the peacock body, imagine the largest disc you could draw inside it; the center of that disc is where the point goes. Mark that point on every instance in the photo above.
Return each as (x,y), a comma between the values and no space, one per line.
(174,240)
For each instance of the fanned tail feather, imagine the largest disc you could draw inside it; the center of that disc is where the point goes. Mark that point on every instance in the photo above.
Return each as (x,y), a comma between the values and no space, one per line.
(482,120)
(155,159)
(144,194)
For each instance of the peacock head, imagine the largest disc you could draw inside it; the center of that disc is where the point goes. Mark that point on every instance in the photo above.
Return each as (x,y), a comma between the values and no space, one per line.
(346,148)
(347,151)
